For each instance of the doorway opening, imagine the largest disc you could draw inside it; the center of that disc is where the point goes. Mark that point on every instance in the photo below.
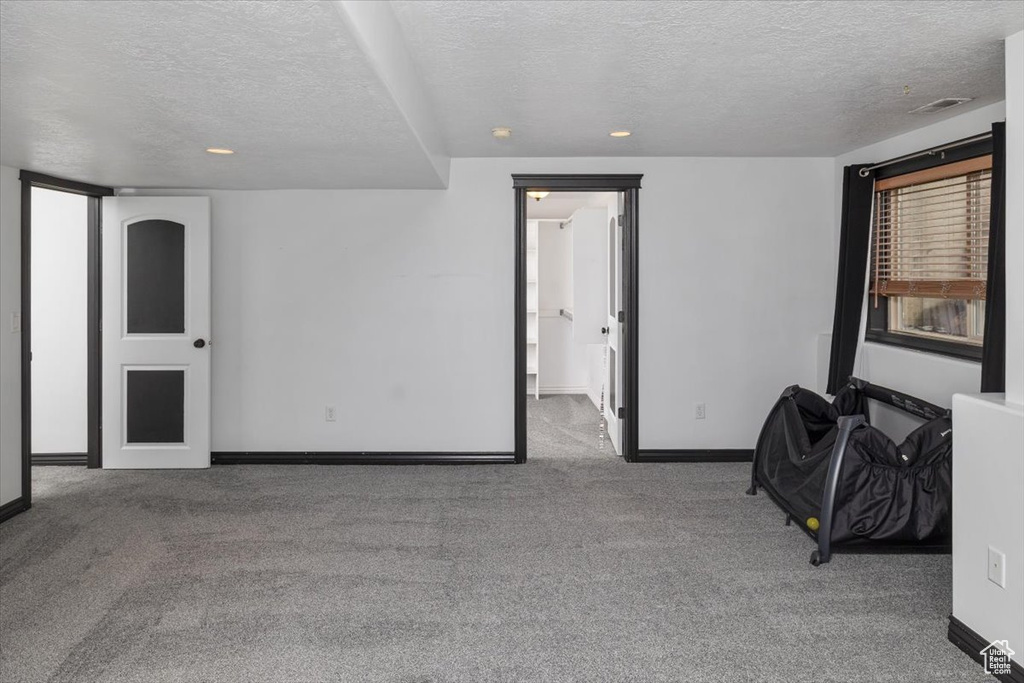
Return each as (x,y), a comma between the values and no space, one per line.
(59,324)
(575,325)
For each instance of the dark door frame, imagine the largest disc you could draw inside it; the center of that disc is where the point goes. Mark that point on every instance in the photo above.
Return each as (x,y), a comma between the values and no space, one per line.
(94,193)
(628,316)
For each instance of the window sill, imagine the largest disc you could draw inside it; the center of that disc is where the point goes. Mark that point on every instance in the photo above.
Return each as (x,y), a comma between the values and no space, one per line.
(937,347)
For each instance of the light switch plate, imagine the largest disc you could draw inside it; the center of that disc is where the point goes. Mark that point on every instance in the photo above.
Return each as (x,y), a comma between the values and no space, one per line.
(996,567)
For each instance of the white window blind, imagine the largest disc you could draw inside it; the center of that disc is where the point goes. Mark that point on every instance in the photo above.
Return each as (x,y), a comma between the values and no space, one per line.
(931,232)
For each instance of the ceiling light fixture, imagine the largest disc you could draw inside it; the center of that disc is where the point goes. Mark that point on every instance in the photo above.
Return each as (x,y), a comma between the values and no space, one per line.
(620,134)
(219,150)
(537,194)
(501,132)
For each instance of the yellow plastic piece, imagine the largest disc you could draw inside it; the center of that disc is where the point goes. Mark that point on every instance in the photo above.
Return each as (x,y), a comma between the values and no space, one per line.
(812,523)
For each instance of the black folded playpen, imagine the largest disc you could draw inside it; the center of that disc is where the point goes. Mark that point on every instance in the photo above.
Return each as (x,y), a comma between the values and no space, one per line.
(846,483)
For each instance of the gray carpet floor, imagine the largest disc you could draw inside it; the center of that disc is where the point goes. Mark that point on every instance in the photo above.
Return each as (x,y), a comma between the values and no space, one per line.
(565,427)
(563,569)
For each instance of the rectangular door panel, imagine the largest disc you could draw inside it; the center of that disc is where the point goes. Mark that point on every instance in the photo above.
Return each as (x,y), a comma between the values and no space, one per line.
(154,406)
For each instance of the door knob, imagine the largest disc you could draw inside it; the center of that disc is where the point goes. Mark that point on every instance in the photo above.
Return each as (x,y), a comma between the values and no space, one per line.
(199,343)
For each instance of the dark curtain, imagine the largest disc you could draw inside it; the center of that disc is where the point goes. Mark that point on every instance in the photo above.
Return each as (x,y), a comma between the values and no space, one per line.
(854,245)
(993,354)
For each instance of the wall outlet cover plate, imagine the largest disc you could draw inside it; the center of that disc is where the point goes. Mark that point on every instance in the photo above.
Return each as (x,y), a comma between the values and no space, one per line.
(996,567)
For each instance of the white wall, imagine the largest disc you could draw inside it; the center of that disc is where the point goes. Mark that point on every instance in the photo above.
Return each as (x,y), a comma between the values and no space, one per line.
(391,305)
(59,322)
(928,376)
(1015,218)
(988,511)
(10,343)
(988,439)
(735,285)
(397,306)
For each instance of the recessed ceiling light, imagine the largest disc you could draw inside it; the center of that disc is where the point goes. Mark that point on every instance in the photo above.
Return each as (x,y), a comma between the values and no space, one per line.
(620,133)
(537,194)
(219,150)
(501,132)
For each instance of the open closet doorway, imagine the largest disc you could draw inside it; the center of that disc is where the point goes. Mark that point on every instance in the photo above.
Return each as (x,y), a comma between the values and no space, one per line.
(576,352)
(60,354)
(60,324)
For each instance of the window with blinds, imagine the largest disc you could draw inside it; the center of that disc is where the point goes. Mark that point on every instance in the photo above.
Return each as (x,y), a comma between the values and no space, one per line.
(929,252)
(931,232)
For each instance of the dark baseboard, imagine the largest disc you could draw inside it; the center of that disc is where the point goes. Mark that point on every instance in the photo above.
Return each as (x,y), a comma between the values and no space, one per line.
(968,640)
(80,459)
(8,510)
(695,455)
(357,458)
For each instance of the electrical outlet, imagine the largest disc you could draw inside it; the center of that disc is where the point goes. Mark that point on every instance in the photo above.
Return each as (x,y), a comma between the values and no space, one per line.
(15,323)
(996,567)
(702,411)
(330,414)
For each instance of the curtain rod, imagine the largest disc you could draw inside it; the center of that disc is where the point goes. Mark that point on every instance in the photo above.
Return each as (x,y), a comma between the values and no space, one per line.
(864,172)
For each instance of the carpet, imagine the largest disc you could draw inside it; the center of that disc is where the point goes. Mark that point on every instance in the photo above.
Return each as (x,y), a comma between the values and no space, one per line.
(565,427)
(572,567)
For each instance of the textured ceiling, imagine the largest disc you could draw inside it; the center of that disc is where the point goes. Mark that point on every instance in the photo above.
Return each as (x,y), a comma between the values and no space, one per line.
(699,78)
(132,93)
(346,95)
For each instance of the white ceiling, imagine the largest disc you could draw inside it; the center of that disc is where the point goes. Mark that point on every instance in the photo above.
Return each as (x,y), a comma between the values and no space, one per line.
(344,94)
(132,93)
(699,78)
(561,205)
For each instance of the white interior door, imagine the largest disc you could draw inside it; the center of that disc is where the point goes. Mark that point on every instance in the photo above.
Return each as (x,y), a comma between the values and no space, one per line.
(613,366)
(589,264)
(156,331)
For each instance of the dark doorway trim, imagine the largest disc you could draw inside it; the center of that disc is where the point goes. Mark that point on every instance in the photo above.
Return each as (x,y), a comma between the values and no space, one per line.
(50,182)
(357,458)
(576,182)
(94,221)
(630,185)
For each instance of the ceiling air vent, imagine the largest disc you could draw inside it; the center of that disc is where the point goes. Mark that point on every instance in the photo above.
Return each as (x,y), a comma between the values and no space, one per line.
(939,105)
